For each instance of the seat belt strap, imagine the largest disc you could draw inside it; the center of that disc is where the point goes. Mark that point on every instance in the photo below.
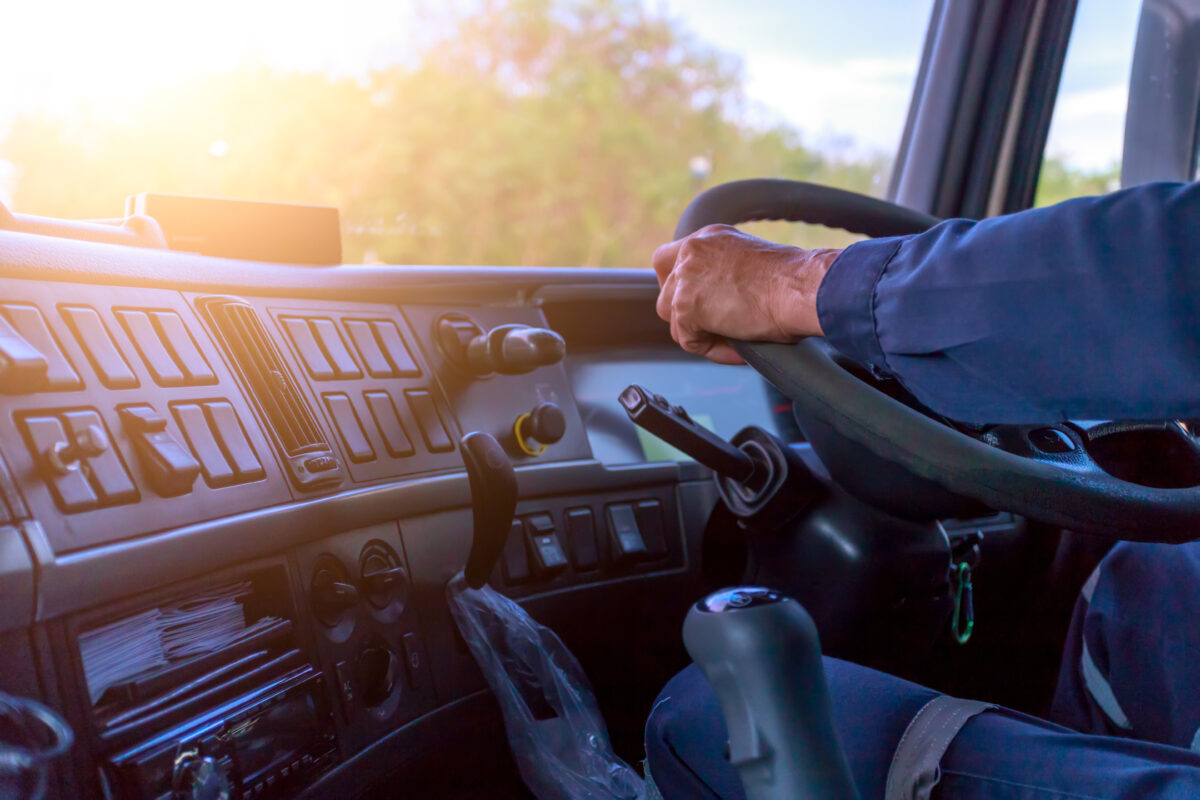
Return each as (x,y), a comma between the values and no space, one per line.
(915,768)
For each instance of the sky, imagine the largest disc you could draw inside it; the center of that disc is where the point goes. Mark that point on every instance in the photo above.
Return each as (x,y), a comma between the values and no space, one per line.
(839,71)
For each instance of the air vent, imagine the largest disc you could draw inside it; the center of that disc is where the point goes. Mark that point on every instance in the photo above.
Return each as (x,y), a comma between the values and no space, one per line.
(311,461)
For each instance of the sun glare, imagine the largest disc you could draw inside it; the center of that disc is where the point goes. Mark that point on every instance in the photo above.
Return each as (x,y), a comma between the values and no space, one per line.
(57,54)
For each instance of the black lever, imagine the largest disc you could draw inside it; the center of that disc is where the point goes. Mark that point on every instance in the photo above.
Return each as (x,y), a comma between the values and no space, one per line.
(673,425)
(493,501)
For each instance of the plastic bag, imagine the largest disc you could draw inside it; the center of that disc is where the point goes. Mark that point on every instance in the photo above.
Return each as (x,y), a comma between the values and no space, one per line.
(555,729)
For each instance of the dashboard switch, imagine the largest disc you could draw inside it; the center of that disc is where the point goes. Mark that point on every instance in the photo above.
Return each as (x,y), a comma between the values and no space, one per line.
(168,466)
(183,347)
(101,461)
(99,347)
(395,349)
(649,516)
(625,538)
(25,324)
(310,352)
(47,438)
(151,347)
(430,421)
(217,471)
(548,556)
(581,538)
(345,419)
(412,659)
(22,367)
(368,348)
(516,560)
(387,419)
(232,438)
(335,348)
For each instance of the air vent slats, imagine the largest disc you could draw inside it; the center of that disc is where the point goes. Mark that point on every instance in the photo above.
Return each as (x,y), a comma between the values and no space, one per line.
(269,381)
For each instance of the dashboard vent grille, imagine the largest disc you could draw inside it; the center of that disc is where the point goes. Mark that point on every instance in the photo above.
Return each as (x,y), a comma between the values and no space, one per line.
(262,367)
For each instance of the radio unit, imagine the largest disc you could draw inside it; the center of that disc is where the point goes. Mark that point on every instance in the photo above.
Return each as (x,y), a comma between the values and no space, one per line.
(264,744)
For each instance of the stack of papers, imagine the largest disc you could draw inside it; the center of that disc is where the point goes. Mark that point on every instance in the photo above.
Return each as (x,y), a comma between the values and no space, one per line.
(203,623)
(119,651)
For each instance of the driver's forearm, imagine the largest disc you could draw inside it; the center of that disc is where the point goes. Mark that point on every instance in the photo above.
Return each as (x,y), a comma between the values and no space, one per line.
(1086,309)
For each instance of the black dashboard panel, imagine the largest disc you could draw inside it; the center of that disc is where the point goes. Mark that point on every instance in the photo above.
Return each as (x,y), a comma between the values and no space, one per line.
(113,350)
(144,467)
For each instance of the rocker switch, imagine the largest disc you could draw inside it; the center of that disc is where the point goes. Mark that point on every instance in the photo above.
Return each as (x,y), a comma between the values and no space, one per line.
(625,536)
(169,467)
(548,556)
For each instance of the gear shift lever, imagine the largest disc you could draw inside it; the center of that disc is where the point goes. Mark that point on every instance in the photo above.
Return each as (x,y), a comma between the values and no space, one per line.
(493,502)
(760,652)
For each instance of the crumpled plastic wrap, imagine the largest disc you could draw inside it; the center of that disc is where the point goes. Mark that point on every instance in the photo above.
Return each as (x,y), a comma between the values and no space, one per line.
(554,727)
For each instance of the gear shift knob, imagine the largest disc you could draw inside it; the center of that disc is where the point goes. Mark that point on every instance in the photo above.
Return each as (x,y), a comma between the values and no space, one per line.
(760,652)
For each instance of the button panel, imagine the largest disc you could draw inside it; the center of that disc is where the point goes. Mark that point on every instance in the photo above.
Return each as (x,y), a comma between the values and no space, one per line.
(367,378)
(59,340)
(557,543)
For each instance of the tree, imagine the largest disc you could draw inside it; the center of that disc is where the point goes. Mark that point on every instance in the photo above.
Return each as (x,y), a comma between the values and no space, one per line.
(537,132)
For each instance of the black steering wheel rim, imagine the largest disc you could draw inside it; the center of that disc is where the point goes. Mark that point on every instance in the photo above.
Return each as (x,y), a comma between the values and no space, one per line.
(1077,495)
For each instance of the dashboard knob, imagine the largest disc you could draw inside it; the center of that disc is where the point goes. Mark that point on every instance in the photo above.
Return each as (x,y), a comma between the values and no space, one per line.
(514,350)
(383,581)
(332,595)
(544,425)
(87,443)
(201,778)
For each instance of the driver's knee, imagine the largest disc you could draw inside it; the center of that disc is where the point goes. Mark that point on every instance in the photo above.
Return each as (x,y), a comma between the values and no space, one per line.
(1131,663)
(686,734)
(685,741)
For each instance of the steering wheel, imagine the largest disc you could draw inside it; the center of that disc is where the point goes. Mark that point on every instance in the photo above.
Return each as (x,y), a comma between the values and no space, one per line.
(1049,473)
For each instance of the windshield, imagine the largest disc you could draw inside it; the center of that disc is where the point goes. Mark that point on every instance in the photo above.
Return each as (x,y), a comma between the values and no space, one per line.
(507,132)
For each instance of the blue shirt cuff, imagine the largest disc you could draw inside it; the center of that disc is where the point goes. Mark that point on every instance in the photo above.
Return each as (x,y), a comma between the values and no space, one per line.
(846,299)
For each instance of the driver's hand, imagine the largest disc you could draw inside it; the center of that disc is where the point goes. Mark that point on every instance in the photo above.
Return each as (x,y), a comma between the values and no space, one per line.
(720,283)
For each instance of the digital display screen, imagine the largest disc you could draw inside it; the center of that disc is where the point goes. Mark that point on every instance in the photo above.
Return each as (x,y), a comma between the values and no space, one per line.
(723,399)
(276,735)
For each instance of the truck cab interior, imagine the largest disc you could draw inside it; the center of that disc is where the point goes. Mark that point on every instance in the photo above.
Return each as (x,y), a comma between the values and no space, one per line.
(237,474)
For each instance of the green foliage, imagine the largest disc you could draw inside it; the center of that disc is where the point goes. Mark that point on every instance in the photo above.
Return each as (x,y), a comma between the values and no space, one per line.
(1058,182)
(538,132)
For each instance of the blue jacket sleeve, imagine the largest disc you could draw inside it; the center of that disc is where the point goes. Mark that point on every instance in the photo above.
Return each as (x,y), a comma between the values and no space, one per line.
(1089,309)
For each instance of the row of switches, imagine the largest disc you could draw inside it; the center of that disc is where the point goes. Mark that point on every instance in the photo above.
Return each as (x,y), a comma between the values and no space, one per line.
(534,550)
(378,343)
(32,361)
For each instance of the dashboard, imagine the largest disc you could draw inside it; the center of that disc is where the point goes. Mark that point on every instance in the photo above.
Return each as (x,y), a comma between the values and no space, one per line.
(231,497)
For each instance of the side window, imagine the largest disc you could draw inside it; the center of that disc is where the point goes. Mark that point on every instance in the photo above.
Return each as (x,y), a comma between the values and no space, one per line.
(1087,129)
